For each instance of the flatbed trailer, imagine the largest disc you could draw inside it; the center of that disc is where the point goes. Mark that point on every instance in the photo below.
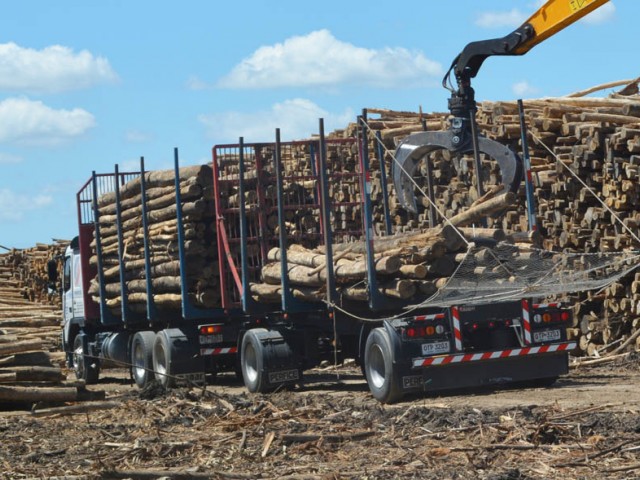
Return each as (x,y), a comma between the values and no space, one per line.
(401,348)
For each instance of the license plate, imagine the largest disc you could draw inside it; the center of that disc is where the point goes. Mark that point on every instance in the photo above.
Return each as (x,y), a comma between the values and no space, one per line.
(412,381)
(283,376)
(435,348)
(546,336)
(209,339)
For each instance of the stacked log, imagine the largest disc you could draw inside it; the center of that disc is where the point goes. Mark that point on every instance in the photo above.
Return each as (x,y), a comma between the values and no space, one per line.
(25,271)
(408,267)
(598,139)
(30,367)
(196,189)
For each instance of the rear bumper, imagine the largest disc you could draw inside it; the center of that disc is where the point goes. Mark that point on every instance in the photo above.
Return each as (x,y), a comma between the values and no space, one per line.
(494,355)
(450,372)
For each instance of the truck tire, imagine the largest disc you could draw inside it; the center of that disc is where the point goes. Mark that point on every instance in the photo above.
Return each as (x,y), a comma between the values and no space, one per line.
(142,358)
(85,367)
(162,360)
(252,359)
(378,367)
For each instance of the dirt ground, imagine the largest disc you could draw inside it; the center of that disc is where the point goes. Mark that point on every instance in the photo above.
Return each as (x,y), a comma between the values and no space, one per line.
(586,426)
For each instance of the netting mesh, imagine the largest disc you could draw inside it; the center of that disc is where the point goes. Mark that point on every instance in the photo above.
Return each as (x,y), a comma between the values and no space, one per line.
(507,272)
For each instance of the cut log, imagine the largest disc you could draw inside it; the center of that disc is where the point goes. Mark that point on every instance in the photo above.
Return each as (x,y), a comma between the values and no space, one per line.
(482,210)
(37,394)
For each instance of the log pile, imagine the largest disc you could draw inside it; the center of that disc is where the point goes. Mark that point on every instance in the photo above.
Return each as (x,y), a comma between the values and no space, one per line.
(196,186)
(30,367)
(571,139)
(598,139)
(407,267)
(25,270)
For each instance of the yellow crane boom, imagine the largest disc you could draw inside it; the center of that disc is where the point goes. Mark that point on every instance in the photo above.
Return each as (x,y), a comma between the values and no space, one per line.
(554,16)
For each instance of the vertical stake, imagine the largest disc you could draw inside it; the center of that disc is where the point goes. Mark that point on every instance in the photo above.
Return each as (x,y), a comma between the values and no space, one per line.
(374,295)
(244,267)
(124,293)
(528,179)
(326,219)
(476,157)
(151,306)
(383,186)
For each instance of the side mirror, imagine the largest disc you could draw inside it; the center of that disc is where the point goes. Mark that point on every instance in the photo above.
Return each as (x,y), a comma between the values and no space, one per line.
(52,274)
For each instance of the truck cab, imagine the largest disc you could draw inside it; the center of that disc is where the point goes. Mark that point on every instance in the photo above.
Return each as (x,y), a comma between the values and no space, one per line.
(72,299)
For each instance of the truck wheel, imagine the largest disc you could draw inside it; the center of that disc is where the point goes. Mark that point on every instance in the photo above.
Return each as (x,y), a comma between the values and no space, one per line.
(252,361)
(162,365)
(85,367)
(142,358)
(378,366)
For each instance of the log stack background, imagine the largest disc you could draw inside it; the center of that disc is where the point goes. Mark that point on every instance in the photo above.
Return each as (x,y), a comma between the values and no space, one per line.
(30,326)
(596,138)
(599,140)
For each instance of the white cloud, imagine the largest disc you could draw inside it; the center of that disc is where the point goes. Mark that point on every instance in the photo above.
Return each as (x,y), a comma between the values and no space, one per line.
(28,122)
(296,118)
(602,15)
(319,59)
(513,18)
(196,83)
(52,69)
(137,136)
(523,89)
(6,158)
(14,205)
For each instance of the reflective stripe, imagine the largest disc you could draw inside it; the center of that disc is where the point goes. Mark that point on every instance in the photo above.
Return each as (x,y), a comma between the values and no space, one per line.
(526,322)
(547,305)
(437,316)
(474,357)
(218,351)
(457,334)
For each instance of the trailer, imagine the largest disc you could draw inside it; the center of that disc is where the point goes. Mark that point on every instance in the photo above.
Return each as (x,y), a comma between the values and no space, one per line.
(401,348)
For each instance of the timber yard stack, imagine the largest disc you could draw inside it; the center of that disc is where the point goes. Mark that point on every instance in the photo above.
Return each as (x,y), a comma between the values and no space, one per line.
(30,317)
(200,246)
(598,139)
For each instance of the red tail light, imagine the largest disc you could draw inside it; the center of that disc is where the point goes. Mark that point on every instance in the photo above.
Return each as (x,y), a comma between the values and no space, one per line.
(210,329)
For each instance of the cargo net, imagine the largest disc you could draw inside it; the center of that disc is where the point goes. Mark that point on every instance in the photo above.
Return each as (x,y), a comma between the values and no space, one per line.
(507,272)
(487,270)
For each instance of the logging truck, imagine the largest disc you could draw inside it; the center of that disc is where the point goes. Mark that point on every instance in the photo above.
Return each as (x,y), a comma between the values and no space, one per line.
(272,202)
(287,258)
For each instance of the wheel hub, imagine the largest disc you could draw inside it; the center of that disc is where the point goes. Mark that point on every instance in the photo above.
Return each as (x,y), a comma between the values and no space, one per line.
(376,367)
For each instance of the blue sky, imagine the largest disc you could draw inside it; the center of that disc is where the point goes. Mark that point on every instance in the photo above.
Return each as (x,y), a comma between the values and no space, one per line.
(87,85)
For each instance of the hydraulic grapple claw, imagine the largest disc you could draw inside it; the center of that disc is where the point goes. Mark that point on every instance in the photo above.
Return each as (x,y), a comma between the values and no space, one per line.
(417,145)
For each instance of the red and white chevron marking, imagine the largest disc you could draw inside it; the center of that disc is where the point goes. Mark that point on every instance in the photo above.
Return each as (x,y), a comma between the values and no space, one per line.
(526,322)
(436,316)
(475,357)
(218,351)
(457,333)
(547,305)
